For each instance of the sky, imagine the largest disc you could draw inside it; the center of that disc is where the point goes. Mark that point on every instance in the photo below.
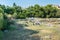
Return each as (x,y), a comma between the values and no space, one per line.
(26,3)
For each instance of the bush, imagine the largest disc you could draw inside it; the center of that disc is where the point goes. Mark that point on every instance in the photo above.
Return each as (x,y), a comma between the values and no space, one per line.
(1,21)
(21,16)
(4,22)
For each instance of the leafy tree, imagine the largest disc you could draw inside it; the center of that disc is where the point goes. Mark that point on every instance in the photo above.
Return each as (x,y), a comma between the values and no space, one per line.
(14,4)
(9,10)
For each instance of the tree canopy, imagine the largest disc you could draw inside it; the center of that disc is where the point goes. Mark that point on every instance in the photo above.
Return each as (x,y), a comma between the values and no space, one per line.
(47,11)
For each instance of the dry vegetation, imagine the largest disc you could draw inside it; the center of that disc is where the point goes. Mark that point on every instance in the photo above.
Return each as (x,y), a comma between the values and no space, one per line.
(47,31)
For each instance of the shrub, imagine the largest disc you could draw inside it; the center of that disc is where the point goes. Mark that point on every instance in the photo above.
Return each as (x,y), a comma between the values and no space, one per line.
(4,22)
(1,21)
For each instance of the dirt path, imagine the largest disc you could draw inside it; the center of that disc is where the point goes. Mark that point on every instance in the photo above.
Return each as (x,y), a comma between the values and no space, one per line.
(20,33)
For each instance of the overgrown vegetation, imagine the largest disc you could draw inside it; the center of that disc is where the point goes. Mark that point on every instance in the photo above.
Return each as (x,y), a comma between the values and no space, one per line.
(47,11)
(4,22)
(17,12)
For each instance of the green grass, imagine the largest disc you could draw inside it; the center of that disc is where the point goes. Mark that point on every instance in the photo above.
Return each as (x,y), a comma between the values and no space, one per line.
(1,35)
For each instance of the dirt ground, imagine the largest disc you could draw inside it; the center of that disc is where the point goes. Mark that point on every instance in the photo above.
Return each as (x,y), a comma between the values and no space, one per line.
(25,30)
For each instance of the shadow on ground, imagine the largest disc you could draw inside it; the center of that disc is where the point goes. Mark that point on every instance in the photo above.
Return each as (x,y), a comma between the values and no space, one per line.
(20,33)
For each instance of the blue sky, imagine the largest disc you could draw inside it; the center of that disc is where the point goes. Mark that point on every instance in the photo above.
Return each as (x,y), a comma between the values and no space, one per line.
(26,3)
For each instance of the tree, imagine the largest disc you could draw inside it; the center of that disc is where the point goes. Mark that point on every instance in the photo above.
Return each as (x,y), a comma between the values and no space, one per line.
(9,10)
(1,10)
(14,4)
(30,11)
(50,11)
(58,14)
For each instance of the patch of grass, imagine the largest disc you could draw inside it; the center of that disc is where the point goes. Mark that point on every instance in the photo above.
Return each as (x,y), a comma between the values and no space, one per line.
(12,28)
(1,35)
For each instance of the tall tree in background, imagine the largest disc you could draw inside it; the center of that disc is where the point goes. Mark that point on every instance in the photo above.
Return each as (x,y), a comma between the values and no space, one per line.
(14,4)
(9,10)
(50,11)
